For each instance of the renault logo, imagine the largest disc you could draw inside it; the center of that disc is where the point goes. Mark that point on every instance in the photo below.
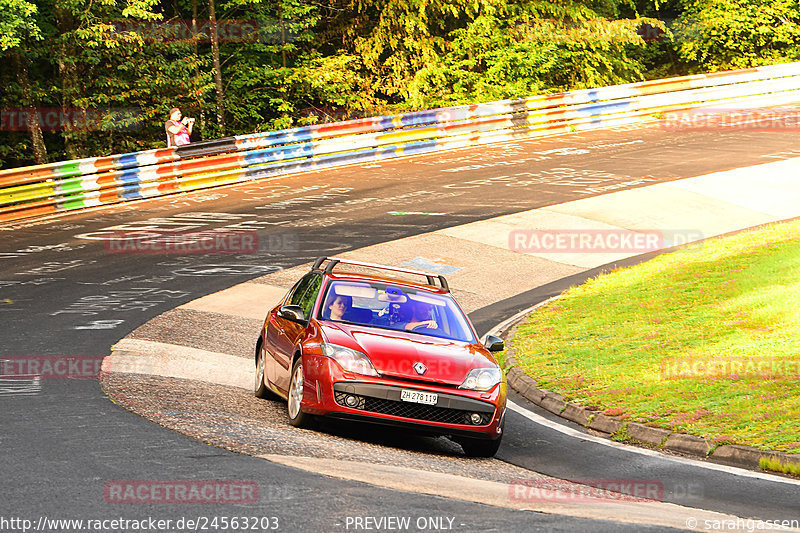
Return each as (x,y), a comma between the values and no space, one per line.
(420,368)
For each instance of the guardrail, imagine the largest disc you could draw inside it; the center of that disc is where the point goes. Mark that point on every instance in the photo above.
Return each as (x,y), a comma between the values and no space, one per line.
(64,186)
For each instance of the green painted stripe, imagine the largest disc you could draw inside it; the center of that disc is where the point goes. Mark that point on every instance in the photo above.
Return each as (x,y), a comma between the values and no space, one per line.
(71,202)
(70,185)
(66,170)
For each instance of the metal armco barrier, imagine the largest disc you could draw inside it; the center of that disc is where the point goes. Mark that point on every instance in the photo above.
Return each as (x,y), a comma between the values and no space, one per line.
(43,189)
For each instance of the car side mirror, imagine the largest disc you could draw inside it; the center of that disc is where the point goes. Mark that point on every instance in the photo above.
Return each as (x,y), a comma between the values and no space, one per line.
(293,313)
(494,344)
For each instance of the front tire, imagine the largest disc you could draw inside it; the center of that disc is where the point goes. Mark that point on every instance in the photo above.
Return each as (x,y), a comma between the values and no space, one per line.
(480,447)
(297,417)
(260,388)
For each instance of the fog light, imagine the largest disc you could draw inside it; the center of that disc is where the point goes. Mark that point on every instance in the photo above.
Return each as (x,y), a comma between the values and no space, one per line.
(476,418)
(351,401)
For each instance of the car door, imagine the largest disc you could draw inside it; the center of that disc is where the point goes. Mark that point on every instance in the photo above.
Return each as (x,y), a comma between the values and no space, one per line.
(288,334)
(275,336)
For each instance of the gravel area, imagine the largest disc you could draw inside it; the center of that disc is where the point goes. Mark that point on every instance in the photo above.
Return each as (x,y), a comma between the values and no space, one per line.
(236,420)
(203,330)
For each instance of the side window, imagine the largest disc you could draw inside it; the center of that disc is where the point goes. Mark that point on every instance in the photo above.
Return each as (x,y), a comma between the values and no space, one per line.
(299,290)
(310,295)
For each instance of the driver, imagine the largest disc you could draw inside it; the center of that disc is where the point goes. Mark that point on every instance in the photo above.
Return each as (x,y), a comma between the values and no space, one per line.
(420,317)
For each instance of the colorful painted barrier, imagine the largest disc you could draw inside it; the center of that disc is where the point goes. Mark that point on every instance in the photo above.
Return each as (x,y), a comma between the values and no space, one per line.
(64,186)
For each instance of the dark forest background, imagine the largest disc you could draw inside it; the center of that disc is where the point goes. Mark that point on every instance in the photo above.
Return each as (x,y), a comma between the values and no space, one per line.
(105,73)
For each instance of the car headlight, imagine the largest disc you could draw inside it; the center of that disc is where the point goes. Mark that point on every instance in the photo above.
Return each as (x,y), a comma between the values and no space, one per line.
(351,360)
(482,379)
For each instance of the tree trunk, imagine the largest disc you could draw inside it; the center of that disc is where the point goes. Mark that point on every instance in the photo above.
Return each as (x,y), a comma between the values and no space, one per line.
(283,40)
(75,140)
(34,127)
(212,17)
(195,39)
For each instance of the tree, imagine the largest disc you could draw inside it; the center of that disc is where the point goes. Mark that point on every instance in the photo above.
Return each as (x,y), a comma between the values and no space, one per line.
(17,25)
(729,34)
(115,67)
(424,54)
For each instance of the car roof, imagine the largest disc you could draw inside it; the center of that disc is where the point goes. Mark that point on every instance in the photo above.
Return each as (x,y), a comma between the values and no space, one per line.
(352,276)
(333,262)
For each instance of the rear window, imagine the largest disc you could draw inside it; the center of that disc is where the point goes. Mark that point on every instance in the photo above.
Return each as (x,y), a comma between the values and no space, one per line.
(396,308)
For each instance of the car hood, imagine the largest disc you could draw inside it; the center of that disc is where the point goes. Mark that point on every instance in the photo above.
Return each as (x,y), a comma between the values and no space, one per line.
(394,353)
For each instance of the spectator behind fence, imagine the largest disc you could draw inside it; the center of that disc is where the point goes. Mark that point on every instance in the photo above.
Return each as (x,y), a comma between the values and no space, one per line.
(178,130)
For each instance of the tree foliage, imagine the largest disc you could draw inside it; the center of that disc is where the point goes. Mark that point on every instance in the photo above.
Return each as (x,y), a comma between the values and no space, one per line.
(17,22)
(730,34)
(120,65)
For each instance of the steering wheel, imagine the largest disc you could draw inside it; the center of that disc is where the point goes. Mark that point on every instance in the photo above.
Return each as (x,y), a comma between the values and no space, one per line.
(423,328)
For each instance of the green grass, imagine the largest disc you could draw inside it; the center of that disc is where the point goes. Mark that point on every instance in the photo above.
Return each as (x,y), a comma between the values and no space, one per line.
(776,466)
(643,342)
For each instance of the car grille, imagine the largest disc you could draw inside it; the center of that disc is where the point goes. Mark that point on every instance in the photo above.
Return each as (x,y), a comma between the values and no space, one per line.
(414,411)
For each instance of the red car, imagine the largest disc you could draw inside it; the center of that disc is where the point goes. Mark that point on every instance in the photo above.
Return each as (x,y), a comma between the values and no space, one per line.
(382,350)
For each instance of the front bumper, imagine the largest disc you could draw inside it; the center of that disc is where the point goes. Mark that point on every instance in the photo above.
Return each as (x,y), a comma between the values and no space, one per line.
(378,400)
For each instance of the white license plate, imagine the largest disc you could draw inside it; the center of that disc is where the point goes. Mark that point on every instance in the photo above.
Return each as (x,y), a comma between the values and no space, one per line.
(419,397)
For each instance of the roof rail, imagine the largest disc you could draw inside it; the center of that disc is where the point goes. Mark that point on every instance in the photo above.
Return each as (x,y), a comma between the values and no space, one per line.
(333,261)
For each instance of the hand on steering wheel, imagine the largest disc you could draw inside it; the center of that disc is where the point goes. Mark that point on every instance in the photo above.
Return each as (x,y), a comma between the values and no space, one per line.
(430,324)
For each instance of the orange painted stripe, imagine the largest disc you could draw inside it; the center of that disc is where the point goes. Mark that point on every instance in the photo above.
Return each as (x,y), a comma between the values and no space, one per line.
(339,128)
(27,210)
(104,164)
(167,186)
(473,124)
(21,176)
(167,170)
(731,73)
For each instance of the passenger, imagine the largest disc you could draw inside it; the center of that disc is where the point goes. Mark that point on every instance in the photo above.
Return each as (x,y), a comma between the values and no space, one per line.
(338,307)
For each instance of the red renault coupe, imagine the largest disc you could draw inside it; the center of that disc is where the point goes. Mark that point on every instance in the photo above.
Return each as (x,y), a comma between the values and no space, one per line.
(378,349)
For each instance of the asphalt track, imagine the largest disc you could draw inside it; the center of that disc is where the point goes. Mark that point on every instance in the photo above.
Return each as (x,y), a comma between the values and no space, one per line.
(62,293)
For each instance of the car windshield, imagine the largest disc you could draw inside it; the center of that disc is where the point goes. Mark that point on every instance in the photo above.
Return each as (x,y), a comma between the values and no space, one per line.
(389,307)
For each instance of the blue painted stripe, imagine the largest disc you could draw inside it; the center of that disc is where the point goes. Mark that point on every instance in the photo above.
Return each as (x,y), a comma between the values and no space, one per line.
(128,160)
(601,109)
(128,176)
(129,192)
(280,153)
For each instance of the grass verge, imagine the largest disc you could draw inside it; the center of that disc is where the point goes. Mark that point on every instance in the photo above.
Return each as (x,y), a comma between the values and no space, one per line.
(776,466)
(704,341)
